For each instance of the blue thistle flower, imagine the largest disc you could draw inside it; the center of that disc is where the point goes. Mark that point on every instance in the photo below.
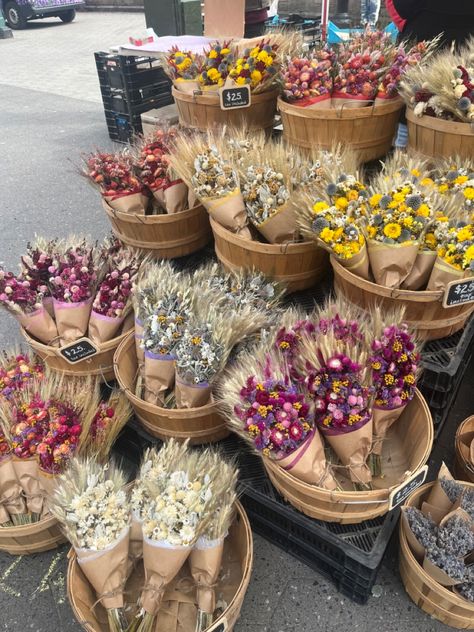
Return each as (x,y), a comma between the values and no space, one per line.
(319,224)
(385,201)
(452,175)
(331,189)
(414,201)
(464,103)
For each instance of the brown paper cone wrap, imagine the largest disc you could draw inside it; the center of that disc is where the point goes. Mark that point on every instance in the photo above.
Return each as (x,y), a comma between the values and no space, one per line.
(136,539)
(72,319)
(433,512)
(189,86)
(11,500)
(133,203)
(103,328)
(229,212)
(176,197)
(353,449)
(41,325)
(162,564)
(48,305)
(358,264)
(279,228)
(107,570)
(27,473)
(138,342)
(191,395)
(442,274)
(438,575)
(343,101)
(308,463)
(437,496)
(192,199)
(205,564)
(471,453)
(48,484)
(159,377)
(383,419)
(391,263)
(421,271)
(159,196)
(415,545)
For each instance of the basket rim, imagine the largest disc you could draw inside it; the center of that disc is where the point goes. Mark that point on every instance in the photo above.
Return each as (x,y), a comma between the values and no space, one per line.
(335,114)
(378,495)
(411,558)
(54,351)
(28,529)
(150,220)
(210,100)
(439,125)
(140,403)
(242,588)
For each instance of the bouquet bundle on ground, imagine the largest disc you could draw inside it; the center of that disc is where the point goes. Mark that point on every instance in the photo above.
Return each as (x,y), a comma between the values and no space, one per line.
(339,376)
(441,534)
(92,507)
(443,86)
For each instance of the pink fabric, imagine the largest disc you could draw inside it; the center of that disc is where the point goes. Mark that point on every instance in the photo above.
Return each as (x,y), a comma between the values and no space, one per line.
(397,19)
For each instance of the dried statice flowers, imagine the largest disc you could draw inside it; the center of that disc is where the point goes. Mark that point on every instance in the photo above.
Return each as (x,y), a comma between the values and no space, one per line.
(423,527)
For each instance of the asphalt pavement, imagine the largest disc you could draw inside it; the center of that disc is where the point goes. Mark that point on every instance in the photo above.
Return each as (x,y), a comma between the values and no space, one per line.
(43,130)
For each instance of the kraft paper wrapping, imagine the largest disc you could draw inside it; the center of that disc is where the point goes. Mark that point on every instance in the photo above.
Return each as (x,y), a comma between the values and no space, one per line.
(138,344)
(358,264)
(415,545)
(72,319)
(229,212)
(48,484)
(391,263)
(383,419)
(438,575)
(27,473)
(48,305)
(313,103)
(162,563)
(433,512)
(176,197)
(437,496)
(308,463)
(342,100)
(205,562)
(103,328)
(189,86)
(281,227)
(192,199)
(159,196)
(107,570)
(421,271)
(133,203)
(11,500)
(191,395)
(136,539)
(443,273)
(41,325)
(159,377)
(353,448)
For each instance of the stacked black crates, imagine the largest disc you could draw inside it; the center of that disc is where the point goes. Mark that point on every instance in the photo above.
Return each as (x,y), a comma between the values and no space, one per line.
(130,86)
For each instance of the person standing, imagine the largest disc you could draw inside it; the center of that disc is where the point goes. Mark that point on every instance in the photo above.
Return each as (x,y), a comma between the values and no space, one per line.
(256,13)
(369,12)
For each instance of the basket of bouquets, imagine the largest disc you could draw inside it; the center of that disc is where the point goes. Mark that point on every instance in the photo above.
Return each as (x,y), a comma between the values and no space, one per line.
(329,357)
(86,297)
(44,426)
(183,69)
(436,549)
(440,104)
(454,175)
(188,327)
(464,450)
(189,555)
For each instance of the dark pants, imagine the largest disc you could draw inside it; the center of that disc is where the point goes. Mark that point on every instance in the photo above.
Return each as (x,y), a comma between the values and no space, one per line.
(254,30)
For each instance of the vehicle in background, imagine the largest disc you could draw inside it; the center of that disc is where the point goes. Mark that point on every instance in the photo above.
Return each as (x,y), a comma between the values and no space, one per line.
(18,12)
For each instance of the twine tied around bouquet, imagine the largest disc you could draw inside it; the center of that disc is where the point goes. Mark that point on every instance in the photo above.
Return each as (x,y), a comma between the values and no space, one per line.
(6,500)
(119,590)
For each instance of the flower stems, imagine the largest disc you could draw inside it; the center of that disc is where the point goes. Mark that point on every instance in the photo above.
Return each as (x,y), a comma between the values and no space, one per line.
(204,620)
(117,620)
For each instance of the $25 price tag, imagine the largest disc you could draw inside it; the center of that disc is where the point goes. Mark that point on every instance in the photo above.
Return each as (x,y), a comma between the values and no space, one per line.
(401,493)
(235,97)
(459,292)
(78,350)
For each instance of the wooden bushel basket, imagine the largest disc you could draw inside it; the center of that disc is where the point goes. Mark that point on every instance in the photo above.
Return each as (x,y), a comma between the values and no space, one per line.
(237,563)
(434,599)
(299,265)
(424,310)
(100,364)
(203,111)
(463,466)
(367,130)
(167,236)
(406,449)
(200,425)
(435,137)
(37,537)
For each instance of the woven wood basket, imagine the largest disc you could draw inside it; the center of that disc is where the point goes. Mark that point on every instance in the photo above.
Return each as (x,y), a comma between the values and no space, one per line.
(424,309)
(100,364)
(368,130)
(463,465)
(200,425)
(238,563)
(431,136)
(406,449)
(37,537)
(434,599)
(165,236)
(203,111)
(299,266)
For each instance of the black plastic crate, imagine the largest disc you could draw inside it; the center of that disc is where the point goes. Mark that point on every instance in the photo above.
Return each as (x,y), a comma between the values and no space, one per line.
(126,72)
(122,126)
(149,98)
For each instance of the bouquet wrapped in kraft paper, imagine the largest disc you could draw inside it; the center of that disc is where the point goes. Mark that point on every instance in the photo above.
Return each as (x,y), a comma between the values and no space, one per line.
(271,413)
(12,503)
(183,68)
(206,168)
(455,254)
(441,534)
(308,81)
(92,507)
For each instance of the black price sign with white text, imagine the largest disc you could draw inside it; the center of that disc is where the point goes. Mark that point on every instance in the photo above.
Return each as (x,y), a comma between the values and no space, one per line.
(459,292)
(235,97)
(77,351)
(401,493)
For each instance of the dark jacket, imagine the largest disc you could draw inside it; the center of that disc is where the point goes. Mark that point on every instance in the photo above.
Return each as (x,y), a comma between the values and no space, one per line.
(427,18)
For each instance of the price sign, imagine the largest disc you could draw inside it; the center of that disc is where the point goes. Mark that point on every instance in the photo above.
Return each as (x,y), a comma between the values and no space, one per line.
(77,351)
(459,292)
(235,97)
(401,493)
(219,627)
